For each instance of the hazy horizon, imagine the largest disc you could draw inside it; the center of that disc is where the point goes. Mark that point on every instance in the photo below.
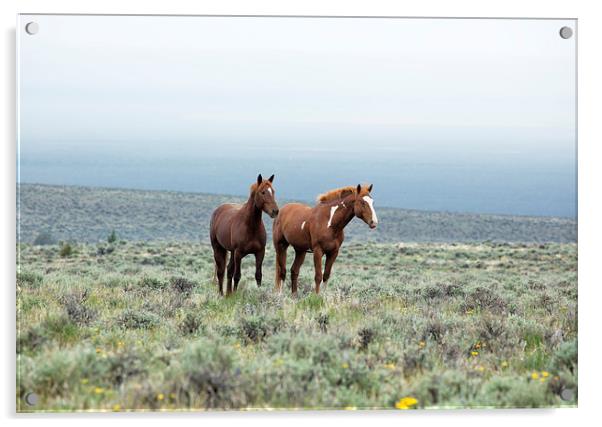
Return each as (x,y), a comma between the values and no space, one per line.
(439,114)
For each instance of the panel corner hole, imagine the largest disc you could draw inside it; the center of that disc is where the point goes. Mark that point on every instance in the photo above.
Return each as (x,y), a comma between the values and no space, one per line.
(32,28)
(566,32)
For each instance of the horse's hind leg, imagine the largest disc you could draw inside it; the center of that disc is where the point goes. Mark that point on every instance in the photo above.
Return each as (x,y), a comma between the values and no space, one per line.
(219,255)
(230,272)
(258,262)
(330,259)
(299,258)
(237,267)
(280,264)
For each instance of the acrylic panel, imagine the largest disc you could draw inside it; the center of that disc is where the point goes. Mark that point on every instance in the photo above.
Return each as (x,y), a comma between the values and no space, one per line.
(253,212)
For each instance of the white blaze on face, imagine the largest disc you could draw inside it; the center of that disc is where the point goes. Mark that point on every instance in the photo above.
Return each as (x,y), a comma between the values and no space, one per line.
(370,202)
(302,225)
(269,190)
(332,211)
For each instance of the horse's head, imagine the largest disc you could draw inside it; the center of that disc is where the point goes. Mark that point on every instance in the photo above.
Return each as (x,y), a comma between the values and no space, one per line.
(364,206)
(264,196)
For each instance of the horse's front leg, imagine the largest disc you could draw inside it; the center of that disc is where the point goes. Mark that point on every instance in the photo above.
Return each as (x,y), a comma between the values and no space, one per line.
(258,262)
(318,267)
(237,262)
(330,259)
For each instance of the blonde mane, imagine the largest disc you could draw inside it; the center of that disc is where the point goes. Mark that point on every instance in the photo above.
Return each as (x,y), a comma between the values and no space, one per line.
(337,193)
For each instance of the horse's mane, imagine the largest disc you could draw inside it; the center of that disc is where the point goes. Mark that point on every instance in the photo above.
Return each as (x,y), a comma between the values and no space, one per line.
(255,186)
(336,194)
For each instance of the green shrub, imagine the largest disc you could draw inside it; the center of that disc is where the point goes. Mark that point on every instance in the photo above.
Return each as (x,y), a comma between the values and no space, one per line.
(206,376)
(133,319)
(31,340)
(60,329)
(516,393)
(191,324)
(65,249)
(366,336)
(29,279)
(566,357)
(152,283)
(257,328)
(182,285)
(112,238)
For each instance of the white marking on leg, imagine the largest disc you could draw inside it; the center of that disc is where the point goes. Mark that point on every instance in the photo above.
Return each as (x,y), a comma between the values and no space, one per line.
(370,202)
(332,211)
(302,225)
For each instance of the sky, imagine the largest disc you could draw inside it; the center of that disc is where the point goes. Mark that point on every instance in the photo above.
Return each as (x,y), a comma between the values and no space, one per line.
(108,96)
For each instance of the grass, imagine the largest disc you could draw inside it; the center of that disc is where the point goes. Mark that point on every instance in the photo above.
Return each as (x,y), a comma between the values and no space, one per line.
(130,326)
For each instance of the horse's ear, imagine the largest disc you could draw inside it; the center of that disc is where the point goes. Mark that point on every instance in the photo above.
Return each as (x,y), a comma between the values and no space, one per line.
(370,188)
(359,188)
(271,179)
(259,179)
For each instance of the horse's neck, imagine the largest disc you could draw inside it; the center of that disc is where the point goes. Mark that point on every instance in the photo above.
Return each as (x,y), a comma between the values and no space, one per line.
(344,213)
(252,213)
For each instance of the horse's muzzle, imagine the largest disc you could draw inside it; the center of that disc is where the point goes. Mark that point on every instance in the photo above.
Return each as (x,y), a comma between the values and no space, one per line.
(274,213)
(372,225)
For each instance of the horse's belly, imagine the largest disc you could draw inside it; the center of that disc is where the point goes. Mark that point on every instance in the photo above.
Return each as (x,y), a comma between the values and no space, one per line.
(299,240)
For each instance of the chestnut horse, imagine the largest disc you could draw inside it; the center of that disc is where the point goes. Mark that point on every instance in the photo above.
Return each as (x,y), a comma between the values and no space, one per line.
(319,230)
(239,229)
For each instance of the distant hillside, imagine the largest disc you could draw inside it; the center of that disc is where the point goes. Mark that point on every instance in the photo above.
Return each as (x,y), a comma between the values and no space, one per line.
(87,214)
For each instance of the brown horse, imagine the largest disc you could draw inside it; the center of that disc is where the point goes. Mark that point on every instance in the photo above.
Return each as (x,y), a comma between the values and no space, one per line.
(319,230)
(239,229)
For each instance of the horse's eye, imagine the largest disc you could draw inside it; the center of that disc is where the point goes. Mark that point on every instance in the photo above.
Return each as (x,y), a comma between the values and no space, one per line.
(263,192)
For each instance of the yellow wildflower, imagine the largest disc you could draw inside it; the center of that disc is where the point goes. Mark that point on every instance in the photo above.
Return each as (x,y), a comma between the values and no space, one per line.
(84,381)
(421,344)
(390,366)
(504,364)
(160,396)
(350,408)
(545,374)
(535,376)
(99,390)
(345,365)
(98,350)
(479,368)
(474,353)
(116,407)
(406,402)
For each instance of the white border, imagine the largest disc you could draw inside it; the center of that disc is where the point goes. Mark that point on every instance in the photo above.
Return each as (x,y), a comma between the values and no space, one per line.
(590,182)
